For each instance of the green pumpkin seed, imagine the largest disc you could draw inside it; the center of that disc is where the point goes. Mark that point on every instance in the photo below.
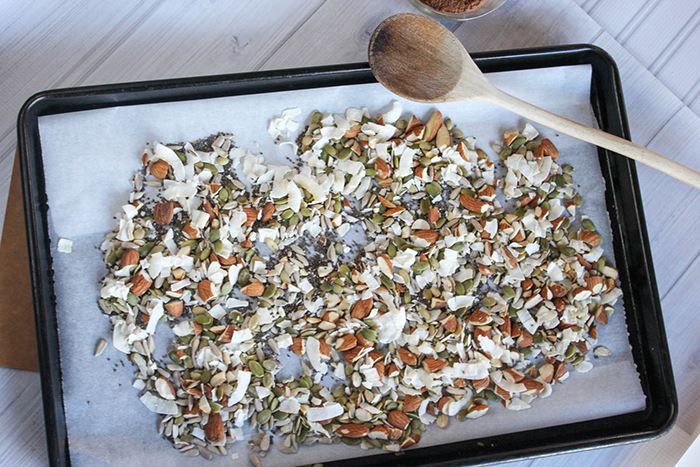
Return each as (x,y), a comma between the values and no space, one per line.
(205,253)
(269,291)
(173,356)
(256,368)
(386,282)
(330,150)
(508,291)
(205,377)
(425,206)
(369,334)
(420,266)
(264,417)
(204,319)
(306,382)
(517,142)
(268,381)
(132,299)
(345,154)
(567,250)
(243,277)
(433,189)
(146,249)
(468,284)
(588,224)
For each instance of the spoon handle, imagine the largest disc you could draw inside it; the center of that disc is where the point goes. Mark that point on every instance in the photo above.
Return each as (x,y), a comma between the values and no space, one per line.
(597,137)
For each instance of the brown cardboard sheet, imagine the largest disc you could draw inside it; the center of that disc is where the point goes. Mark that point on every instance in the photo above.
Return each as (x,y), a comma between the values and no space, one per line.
(17,334)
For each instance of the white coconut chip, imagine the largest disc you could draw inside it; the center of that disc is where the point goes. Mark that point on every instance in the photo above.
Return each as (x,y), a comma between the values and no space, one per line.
(158,405)
(328,411)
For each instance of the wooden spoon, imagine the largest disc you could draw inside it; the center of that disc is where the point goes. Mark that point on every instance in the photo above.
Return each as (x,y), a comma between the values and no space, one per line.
(420,59)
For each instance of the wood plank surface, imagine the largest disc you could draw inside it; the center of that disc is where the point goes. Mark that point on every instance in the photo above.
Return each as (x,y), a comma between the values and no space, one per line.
(48,44)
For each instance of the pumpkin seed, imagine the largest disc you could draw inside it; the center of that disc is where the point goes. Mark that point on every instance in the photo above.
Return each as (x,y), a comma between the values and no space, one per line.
(256,369)
(269,291)
(264,417)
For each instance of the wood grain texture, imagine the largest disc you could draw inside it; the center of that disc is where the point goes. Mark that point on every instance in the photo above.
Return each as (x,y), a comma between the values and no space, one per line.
(46,44)
(662,34)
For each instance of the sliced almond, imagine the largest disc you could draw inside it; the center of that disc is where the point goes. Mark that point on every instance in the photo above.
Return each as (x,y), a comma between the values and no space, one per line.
(487,192)
(411,403)
(163,213)
(206,290)
(595,284)
(362,308)
(139,284)
(159,169)
(130,257)
(443,139)
(433,365)
(473,204)
(432,126)
(353,354)
(433,215)
(479,317)
(190,231)
(254,289)
(252,216)
(477,411)
(214,429)
(509,137)
(174,308)
(590,237)
(268,211)
(413,123)
(298,346)
(165,389)
(450,324)
(407,357)
(546,148)
(382,168)
(353,430)
(398,419)
(345,342)
(430,236)
(410,441)
(481,384)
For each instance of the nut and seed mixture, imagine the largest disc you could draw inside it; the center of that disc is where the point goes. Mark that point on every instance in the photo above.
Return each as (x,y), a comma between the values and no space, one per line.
(466,289)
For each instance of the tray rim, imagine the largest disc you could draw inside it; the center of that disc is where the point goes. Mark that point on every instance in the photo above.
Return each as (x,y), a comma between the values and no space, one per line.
(621,190)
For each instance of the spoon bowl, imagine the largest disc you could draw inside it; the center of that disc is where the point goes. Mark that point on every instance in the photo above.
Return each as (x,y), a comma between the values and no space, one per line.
(419,59)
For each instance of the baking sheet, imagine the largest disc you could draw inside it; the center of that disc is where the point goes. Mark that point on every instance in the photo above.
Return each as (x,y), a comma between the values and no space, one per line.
(89,158)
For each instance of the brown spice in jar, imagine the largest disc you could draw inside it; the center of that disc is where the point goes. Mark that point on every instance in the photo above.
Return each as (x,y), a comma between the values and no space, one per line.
(452,6)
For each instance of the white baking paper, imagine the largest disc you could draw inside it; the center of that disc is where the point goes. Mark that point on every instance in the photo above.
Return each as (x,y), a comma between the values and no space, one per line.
(89,159)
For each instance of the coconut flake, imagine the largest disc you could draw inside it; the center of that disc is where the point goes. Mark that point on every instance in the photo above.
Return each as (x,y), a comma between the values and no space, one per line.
(243,378)
(156,311)
(393,114)
(169,156)
(317,414)
(158,405)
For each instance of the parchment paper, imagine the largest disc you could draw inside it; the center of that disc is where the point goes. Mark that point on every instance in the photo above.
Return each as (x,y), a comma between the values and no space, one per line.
(89,159)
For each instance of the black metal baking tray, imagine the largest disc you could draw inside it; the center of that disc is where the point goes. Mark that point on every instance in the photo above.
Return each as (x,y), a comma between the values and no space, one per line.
(631,244)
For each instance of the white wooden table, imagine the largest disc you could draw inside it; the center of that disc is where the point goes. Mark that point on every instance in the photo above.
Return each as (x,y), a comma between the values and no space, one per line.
(656,43)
